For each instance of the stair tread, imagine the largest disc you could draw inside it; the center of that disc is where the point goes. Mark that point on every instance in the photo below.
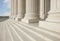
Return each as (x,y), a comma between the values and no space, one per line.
(11,30)
(39,35)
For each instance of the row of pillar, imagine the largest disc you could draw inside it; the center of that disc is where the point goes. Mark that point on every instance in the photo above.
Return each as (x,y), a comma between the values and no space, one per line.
(28,10)
(33,10)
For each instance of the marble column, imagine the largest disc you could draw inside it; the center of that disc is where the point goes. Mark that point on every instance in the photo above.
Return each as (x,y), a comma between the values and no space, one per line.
(31,11)
(42,9)
(12,8)
(21,9)
(53,20)
(15,9)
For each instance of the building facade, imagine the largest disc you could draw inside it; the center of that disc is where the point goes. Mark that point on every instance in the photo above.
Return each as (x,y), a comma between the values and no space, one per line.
(44,12)
(32,20)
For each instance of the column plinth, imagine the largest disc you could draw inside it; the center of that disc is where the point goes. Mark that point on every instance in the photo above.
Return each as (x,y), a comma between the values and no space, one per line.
(31,11)
(53,20)
(53,17)
(21,9)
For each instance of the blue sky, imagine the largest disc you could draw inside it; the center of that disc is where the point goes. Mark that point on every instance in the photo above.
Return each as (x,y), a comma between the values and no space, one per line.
(4,7)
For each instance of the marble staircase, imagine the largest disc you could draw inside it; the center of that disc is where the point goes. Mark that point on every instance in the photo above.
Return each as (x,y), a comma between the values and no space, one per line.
(11,30)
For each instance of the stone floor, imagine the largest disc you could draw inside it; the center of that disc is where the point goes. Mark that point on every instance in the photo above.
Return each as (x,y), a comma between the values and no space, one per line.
(11,30)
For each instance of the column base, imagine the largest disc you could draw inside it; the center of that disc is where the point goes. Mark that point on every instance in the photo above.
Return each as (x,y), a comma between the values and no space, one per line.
(50,26)
(18,19)
(12,18)
(30,20)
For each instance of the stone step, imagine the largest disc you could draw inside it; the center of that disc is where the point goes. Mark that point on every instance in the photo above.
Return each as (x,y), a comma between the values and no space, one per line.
(33,33)
(14,34)
(6,34)
(11,30)
(1,31)
(22,34)
(50,35)
(10,38)
(55,34)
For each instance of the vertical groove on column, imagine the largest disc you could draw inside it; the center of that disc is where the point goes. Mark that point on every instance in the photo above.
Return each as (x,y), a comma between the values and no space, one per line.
(15,8)
(42,9)
(54,12)
(12,8)
(21,9)
(32,14)
(53,20)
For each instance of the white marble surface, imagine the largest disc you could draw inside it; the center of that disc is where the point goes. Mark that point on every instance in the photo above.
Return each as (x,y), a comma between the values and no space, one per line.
(11,30)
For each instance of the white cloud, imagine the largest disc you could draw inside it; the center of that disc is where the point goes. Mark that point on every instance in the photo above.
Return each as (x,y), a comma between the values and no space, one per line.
(6,14)
(7,3)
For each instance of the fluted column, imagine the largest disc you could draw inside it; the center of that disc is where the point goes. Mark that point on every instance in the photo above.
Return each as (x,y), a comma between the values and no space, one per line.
(42,9)
(12,8)
(54,13)
(15,8)
(21,9)
(53,20)
(31,11)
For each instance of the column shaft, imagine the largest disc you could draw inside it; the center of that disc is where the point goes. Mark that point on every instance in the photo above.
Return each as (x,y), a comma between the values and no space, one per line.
(42,9)
(15,8)
(12,8)
(53,20)
(54,13)
(31,11)
(21,9)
